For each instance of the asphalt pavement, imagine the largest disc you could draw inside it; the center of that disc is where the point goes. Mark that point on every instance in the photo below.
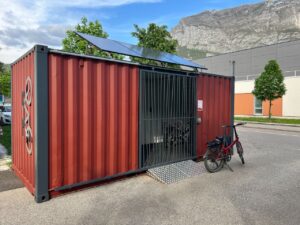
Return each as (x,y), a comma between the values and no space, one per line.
(9,181)
(266,190)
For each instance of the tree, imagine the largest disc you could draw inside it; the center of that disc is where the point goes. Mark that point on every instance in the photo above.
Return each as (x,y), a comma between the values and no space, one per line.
(1,67)
(269,85)
(5,80)
(74,43)
(154,37)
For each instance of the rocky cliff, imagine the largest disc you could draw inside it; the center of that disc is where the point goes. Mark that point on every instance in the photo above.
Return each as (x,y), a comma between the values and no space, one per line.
(239,28)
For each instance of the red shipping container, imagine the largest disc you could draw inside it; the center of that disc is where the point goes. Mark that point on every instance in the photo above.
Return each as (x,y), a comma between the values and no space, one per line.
(81,125)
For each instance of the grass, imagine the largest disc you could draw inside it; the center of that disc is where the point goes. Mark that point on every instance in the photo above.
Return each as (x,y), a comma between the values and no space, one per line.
(6,138)
(9,164)
(267,120)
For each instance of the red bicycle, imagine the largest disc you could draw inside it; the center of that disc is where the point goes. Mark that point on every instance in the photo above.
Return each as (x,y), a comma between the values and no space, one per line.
(220,150)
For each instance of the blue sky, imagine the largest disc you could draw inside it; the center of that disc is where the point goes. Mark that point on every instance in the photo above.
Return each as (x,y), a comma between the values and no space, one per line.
(24,23)
(166,12)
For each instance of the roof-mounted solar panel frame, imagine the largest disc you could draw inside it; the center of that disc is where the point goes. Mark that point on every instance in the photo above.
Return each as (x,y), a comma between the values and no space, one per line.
(136,51)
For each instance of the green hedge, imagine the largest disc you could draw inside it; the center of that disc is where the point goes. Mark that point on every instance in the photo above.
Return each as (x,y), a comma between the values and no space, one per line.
(6,138)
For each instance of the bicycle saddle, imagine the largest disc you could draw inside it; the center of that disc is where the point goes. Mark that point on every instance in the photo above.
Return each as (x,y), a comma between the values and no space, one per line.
(220,138)
(214,143)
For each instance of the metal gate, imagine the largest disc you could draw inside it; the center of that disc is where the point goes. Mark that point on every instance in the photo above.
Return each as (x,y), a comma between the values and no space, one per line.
(167,120)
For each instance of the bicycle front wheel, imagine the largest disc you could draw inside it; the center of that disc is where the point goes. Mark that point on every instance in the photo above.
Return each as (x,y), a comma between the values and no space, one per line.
(213,164)
(240,151)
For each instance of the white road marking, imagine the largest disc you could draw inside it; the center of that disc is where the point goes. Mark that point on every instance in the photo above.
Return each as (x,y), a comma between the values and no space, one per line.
(263,132)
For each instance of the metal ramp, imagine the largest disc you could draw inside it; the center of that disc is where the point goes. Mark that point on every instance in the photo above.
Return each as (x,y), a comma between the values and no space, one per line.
(176,172)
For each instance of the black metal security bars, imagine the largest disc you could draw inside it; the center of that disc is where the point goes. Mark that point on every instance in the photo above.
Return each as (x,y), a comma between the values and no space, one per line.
(167,118)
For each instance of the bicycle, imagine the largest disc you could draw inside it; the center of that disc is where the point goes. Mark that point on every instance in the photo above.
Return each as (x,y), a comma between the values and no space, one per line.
(220,150)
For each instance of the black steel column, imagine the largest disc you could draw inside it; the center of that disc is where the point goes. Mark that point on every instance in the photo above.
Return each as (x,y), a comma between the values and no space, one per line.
(141,118)
(232,104)
(41,122)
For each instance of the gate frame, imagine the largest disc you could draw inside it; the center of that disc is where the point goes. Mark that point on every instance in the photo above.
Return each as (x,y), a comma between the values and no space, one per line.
(194,125)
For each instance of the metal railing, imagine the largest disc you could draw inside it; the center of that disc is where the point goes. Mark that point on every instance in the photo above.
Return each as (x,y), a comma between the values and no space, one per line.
(293,73)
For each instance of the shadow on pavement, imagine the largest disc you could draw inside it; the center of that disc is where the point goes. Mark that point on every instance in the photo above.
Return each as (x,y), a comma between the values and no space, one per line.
(9,181)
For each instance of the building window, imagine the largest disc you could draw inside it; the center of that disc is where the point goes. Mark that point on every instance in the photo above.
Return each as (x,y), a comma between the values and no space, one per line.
(258,106)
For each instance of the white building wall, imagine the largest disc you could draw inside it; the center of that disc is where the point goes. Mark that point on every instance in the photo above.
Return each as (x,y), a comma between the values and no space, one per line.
(245,86)
(291,100)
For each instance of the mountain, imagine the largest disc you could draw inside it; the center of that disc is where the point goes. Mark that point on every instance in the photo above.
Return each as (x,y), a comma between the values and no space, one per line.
(243,27)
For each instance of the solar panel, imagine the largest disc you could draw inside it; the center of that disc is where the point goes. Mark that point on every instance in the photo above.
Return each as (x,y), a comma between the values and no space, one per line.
(136,51)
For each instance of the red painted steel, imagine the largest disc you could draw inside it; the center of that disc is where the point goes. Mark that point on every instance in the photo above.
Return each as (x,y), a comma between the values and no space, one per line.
(93,119)
(215,91)
(22,161)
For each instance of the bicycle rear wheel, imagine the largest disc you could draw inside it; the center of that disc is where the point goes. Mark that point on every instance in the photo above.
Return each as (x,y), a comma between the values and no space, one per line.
(212,163)
(240,151)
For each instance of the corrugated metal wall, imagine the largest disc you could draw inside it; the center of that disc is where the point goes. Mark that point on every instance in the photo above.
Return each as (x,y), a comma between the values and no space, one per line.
(252,61)
(215,92)
(23,162)
(94,116)
(93,119)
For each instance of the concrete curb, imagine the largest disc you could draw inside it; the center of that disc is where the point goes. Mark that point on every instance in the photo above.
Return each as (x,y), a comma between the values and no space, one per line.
(269,126)
(272,124)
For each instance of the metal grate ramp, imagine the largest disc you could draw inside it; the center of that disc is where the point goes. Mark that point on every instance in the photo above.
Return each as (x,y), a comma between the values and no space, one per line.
(176,172)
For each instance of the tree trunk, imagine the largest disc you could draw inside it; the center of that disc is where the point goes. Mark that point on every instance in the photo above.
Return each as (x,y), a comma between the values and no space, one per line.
(270,109)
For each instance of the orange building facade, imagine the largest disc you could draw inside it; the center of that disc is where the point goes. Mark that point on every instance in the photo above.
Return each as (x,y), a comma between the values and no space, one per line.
(246,104)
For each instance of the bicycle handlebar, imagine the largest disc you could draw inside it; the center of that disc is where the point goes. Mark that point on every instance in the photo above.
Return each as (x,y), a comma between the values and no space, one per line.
(240,124)
(235,125)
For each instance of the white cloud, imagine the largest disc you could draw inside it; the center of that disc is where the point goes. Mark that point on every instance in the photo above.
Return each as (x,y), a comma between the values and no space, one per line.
(24,23)
(10,54)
